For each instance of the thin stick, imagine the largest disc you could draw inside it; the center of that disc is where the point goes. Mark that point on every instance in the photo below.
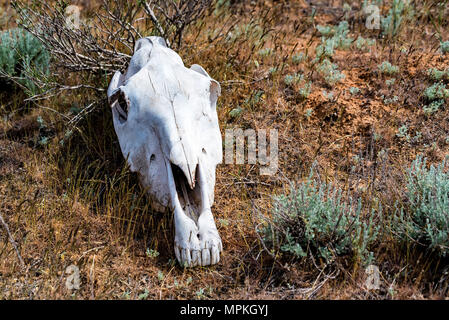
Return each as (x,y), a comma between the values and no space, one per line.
(156,23)
(11,240)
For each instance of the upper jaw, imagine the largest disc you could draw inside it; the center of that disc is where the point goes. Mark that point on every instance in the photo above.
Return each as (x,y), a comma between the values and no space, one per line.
(179,159)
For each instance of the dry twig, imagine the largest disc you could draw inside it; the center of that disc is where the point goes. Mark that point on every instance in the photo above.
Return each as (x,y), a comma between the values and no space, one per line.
(11,240)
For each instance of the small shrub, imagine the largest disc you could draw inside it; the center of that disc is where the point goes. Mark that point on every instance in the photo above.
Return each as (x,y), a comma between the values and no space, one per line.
(316,220)
(293,79)
(333,38)
(21,56)
(392,100)
(433,107)
(403,133)
(444,46)
(392,23)
(388,69)
(354,91)
(364,44)
(390,82)
(341,38)
(438,75)
(308,113)
(234,113)
(436,95)
(426,218)
(326,31)
(436,91)
(305,91)
(298,58)
(298,79)
(325,49)
(330,72)
(265,52)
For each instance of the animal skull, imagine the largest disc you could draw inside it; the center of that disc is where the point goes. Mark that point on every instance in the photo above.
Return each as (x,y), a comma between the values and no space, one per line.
(166,121)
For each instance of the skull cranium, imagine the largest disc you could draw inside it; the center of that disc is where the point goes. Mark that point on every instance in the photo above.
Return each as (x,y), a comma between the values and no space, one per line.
(166,121)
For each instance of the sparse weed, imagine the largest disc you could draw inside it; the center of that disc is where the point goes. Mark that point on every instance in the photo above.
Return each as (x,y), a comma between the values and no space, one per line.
(436,91)
(204,293)
(364,44)
(293,79)
(265,52)
(392,100)
(444,46)
(388,69)
(151,253)
(234,113)
(392,23)
(330,72)
(390,82)
(339,39)
(143,295)
(403,133)
(298,58)
(308,113)
(425,219)
(305,91)
(433,107)
(328,95)
(354,91)
(438,75)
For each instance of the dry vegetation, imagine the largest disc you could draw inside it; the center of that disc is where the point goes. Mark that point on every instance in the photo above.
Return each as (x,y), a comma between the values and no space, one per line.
(68,197)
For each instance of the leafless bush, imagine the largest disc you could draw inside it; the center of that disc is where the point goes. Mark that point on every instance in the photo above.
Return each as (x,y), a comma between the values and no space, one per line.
(176,16)
(97,46)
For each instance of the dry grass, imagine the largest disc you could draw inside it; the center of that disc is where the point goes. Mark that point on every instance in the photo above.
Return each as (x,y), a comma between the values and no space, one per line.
(76,202)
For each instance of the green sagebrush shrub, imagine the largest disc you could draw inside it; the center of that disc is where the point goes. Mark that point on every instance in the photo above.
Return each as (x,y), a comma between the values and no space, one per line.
(387,68)
(318,221)
(436,95)
(334,37)
(400,11)
(330,72)
(444,46)
(425,219)
(23,56)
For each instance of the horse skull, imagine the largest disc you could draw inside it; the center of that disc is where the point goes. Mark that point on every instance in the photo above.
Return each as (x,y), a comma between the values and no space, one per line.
(166,121)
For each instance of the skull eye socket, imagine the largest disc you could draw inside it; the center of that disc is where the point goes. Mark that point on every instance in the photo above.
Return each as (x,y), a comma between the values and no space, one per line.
(122,107)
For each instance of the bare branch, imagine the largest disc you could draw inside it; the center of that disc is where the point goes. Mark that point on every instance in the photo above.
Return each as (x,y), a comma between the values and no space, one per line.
(99,46)
(156,22)
(11,240)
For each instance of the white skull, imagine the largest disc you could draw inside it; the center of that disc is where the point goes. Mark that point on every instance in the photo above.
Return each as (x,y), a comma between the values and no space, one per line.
(166,121)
